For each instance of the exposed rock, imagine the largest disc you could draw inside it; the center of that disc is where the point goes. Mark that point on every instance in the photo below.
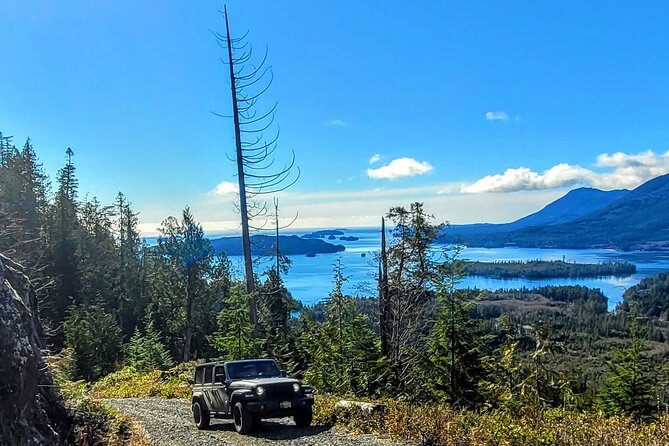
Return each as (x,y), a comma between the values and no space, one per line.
(368,408)
(30,411)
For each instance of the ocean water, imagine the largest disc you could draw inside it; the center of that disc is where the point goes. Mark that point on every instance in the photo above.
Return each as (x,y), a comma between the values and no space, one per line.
(310,278)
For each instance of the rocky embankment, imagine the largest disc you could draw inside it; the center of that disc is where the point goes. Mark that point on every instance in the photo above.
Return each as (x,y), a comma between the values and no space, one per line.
(31,413)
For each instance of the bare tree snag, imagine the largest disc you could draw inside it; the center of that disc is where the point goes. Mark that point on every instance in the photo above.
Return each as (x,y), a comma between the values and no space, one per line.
(254,154)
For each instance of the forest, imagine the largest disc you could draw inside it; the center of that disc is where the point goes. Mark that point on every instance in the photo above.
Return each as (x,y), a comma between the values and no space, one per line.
(543,269)
(422,339)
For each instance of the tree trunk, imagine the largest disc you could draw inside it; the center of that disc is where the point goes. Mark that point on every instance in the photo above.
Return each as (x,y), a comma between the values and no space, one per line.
(243,209)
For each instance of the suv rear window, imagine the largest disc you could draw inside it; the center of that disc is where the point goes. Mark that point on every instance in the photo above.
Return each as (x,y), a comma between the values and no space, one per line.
(199,375)
(208,373)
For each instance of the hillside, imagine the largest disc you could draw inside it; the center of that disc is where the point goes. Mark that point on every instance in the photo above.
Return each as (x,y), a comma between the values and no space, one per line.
(639,219)
(264,245)
(573,205)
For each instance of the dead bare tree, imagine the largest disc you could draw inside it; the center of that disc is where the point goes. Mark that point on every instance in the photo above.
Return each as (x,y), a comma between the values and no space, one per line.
(257,172)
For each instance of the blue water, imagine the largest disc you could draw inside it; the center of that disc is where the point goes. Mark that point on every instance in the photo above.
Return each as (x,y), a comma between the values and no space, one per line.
(310,278)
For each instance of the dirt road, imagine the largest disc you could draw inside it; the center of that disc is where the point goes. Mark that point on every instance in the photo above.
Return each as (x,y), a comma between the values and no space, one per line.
(168,422)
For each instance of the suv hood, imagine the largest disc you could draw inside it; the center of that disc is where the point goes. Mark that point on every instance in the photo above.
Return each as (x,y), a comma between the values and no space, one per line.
(262,382)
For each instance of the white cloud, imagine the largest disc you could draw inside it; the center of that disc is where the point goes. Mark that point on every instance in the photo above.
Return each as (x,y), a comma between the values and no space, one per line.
(337,123)
(496,116)
(625,171)
(400,167)
(225,188)
(375,158)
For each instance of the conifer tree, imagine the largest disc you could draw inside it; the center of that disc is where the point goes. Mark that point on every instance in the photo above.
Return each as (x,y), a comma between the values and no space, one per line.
(457,345)
(94,338)
(146,351)
(409,299)
(629,387)
(344,354)
(131,301)
(234,339)
(183,261)
(62,233)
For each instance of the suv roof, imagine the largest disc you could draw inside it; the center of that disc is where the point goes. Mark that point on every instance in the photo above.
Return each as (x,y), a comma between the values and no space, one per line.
(214,363)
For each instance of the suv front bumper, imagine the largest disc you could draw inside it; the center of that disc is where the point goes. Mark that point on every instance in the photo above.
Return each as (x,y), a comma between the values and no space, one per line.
(273,409)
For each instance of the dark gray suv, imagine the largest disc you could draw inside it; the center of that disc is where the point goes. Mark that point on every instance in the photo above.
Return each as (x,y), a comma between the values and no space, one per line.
(248,391)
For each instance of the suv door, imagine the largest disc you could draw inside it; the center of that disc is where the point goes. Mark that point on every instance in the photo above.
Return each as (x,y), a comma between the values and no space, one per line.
(220,390)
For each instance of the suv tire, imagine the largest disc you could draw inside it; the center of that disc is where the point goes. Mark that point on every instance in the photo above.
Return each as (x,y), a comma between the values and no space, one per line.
(303,417)
(200,415)
(244,420)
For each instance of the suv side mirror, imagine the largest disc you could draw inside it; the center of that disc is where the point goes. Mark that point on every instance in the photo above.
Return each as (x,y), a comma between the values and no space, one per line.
(284,373)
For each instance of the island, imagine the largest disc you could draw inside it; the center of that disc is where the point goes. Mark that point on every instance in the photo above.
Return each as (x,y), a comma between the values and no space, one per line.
(349,238)
(324,233)
(543,269)
(265,245)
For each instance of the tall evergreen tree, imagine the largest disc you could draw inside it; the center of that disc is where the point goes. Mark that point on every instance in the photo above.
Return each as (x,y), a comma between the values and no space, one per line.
(344,352)
(629,387)
(457,345)
(183,261)
(234,338)
(62,240)
(131,300)
(410,299)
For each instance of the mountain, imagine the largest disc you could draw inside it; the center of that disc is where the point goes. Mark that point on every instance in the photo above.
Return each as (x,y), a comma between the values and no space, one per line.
(264,245)
(575,204)
(638,219)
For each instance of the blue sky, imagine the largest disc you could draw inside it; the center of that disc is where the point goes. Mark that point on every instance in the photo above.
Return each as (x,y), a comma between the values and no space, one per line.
(484,110)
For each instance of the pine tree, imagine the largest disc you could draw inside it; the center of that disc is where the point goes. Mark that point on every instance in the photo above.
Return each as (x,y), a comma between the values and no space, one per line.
(131,302)
(96,253)
(62,241)
(94,338)
(146,351)
(344,353)
(183,261)
(629,387)
(457,345)
(234,338)
(411,271)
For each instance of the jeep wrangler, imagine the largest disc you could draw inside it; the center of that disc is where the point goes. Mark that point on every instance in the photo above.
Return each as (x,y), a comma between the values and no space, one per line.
(248,391)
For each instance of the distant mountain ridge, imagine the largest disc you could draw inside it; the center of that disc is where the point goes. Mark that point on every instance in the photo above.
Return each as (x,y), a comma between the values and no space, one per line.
(584,218)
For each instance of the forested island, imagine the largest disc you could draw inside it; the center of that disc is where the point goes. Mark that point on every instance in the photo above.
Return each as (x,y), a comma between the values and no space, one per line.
(264,245)
(545,269)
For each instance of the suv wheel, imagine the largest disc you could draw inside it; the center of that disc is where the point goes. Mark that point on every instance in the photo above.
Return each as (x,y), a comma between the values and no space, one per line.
(303,417)
(244,419)
(200,416)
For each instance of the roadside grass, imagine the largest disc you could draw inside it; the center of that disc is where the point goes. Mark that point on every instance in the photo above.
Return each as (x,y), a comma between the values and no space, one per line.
(441,425)
(94,423)
(129,383)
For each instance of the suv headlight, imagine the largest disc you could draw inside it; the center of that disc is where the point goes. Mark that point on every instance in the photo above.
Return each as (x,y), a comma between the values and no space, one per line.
(260,391)
(296,387)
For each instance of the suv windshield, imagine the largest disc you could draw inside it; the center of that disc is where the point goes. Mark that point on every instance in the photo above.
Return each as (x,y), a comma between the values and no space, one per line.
(253,369)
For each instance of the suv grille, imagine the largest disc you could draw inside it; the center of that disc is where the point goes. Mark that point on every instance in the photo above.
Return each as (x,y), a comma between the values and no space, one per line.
(280,391)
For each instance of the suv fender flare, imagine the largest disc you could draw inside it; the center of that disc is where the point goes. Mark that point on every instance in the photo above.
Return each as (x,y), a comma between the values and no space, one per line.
(240,395)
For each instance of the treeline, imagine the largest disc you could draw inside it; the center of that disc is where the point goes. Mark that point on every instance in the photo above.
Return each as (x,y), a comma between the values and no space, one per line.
(110,301)
(543,269)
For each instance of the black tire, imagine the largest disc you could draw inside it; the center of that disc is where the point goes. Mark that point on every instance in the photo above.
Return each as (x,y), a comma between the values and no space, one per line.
(303,417)
(257,419)
(200,415)
(244,420)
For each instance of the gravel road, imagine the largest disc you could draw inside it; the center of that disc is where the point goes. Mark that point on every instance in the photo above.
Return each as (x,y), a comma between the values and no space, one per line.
(168,422)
